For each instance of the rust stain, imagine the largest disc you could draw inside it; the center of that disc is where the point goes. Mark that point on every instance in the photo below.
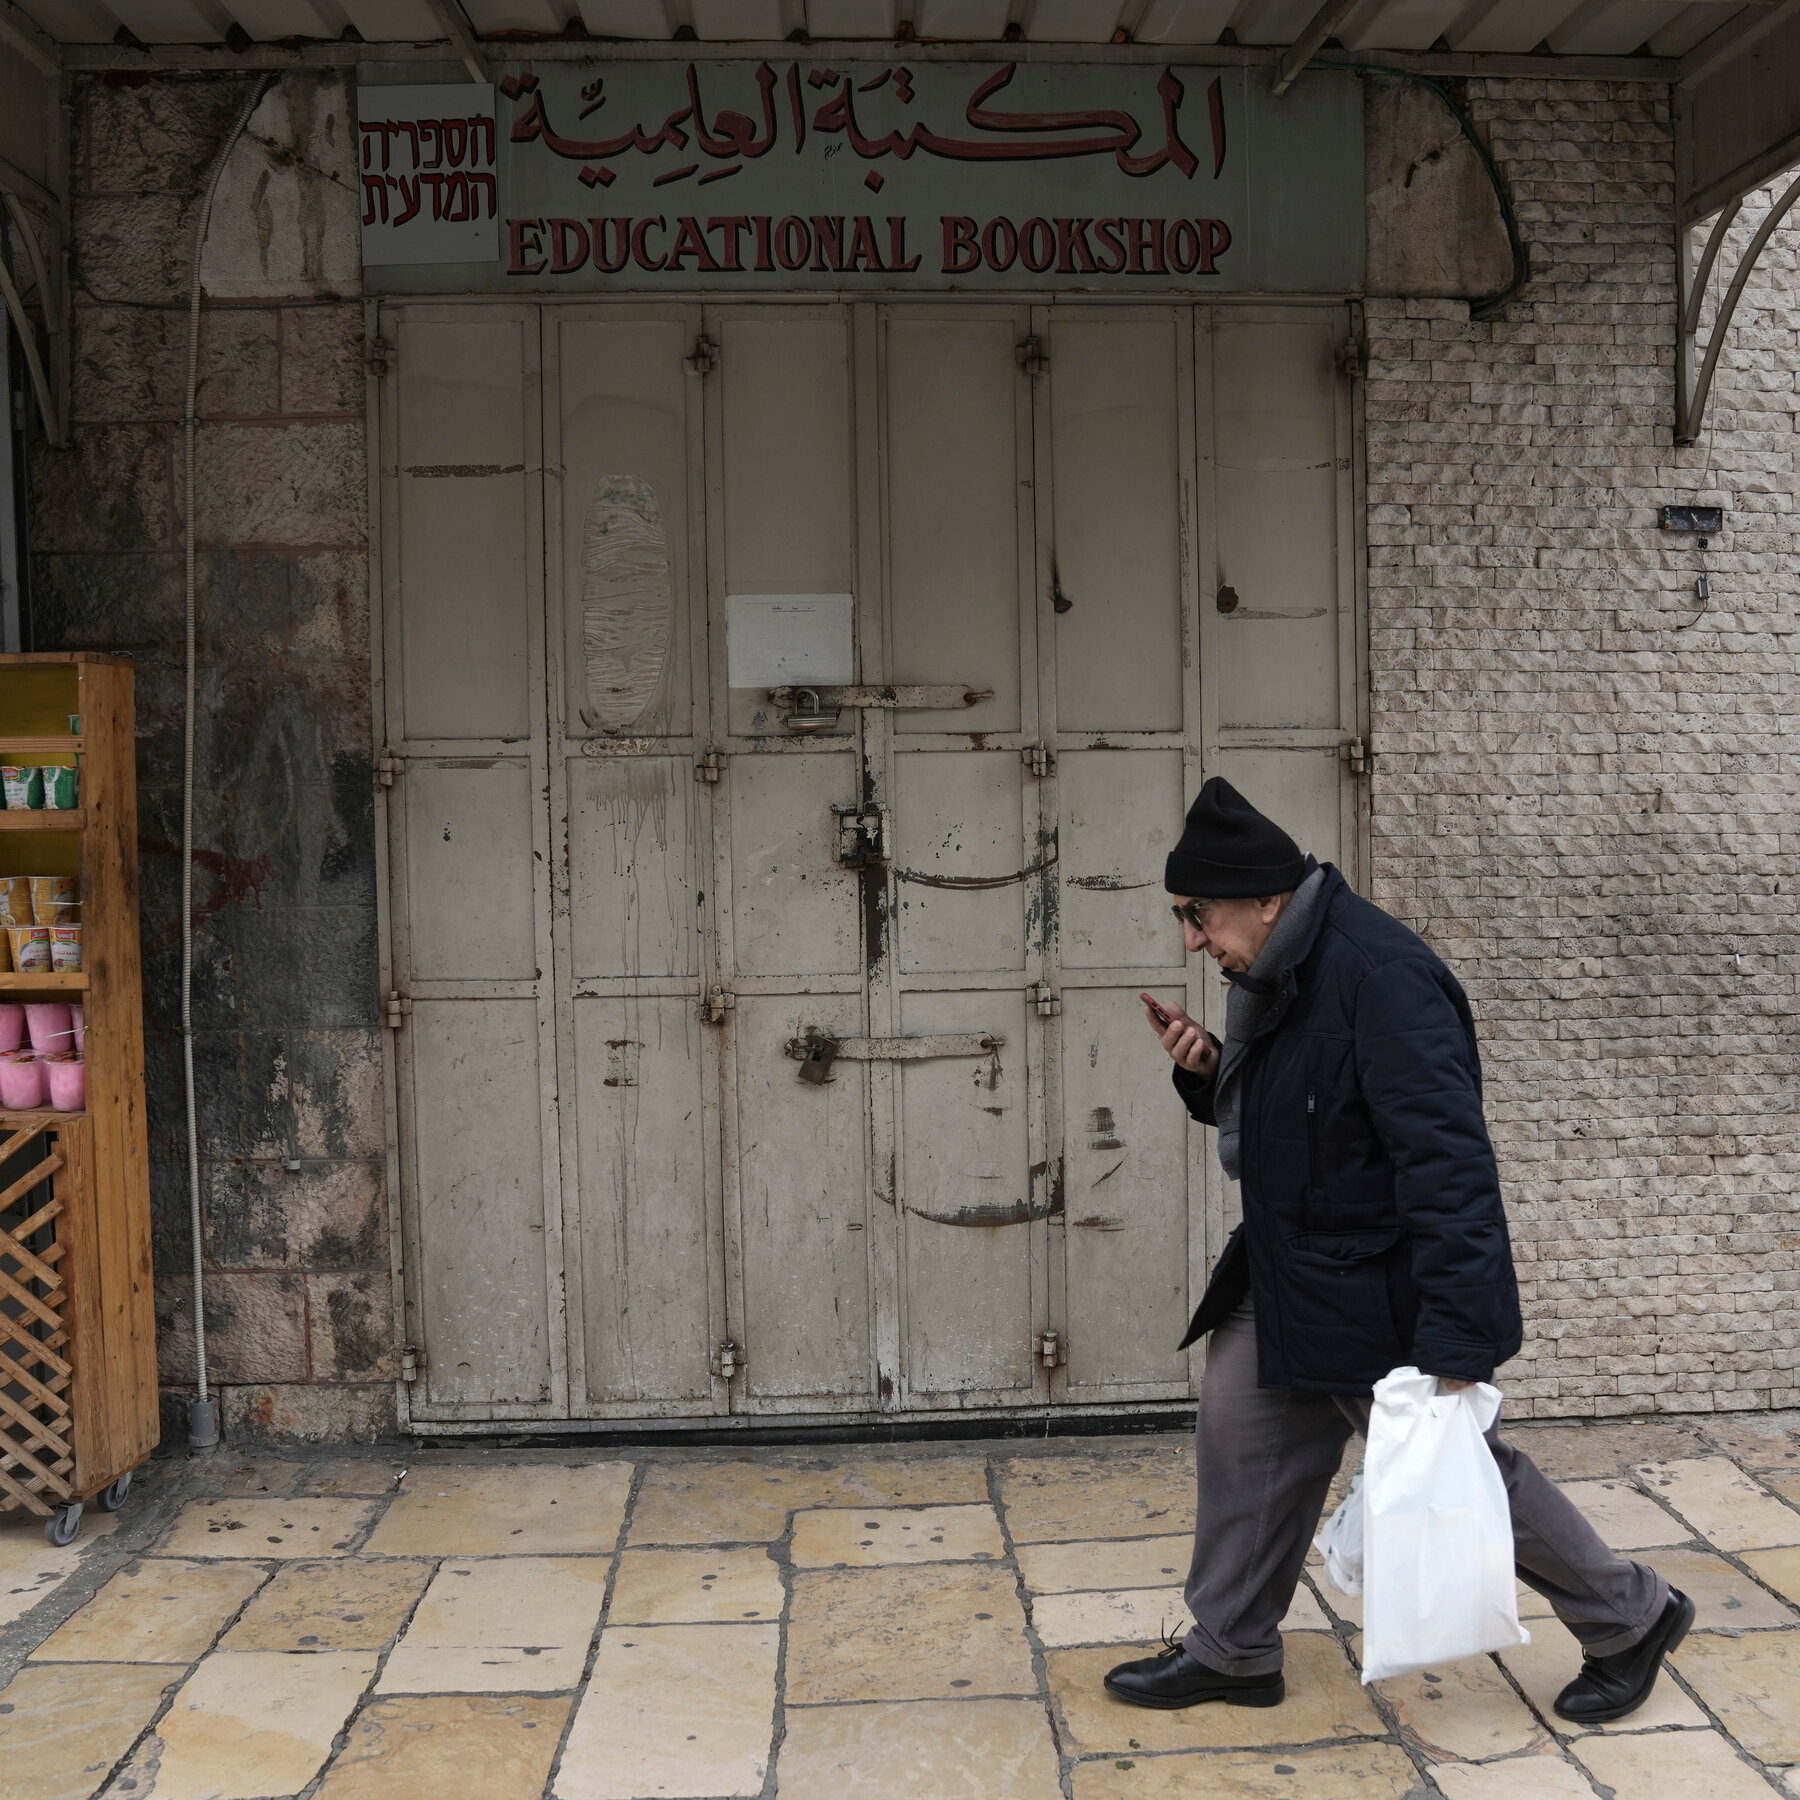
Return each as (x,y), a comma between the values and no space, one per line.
(1109,884)
(239,878)
(1099,1222)
(1110,1173)
(1100,1123)
(976,882)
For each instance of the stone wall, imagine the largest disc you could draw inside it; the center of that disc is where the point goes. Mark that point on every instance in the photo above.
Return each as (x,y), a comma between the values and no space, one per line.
(287,1042)
(1584,794)
(1583,807)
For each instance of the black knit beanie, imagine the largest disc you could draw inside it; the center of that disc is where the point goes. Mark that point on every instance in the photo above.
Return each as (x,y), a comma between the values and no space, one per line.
(1229,850)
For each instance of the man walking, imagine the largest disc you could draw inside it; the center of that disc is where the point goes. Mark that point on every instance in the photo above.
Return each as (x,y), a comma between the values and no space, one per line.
(1347,1097)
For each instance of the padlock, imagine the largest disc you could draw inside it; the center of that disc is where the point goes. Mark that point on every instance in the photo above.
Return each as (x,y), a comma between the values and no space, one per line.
(815,1066)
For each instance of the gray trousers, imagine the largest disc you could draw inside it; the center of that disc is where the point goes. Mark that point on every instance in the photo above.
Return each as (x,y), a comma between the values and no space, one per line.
(1265,1457)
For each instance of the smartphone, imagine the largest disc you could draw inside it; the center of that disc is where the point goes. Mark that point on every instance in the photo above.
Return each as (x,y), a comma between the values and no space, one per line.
(1162,1014)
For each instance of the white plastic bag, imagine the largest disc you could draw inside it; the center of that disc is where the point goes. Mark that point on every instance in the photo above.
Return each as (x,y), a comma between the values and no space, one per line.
(1340,1541)
(1437,1531)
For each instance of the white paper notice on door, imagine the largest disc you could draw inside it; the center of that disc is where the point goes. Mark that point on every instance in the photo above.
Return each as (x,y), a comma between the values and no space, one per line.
(790,640)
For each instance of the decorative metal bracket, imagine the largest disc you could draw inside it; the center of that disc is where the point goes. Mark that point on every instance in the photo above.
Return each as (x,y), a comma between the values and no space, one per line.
(1693,390)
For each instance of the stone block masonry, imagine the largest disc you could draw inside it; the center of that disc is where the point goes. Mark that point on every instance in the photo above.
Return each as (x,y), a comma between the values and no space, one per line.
(1582,794)
(299,1315)
(1584,788)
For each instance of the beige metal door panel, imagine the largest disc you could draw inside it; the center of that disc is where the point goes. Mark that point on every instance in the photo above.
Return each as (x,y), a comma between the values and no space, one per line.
(801,1224)
(1121,814)
(627,603)
(634,896)
(1277,485)
(479,1258)
(1116,409)
(957,444)
(1300,789)
(647,1217)
(972,1206)
(469,868)
(464,525)
(960,861)
(794,907)
(1126,1215)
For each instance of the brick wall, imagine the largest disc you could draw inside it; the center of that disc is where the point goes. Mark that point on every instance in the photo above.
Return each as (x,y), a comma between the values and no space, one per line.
(1587,810)
(287,1042)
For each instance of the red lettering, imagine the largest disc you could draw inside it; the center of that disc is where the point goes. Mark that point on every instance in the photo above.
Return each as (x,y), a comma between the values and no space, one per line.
(1107,231)
(1000,244)
(1146,237)
(828,243)
(568,246)
(1183,246)
(1215,240)
(733,229)
(962,255)
(897,247)
(611,265)
(517,231)
(763,262)
(639,254)
(793,242)
(1037,245)
(690,242)
(862,251)
(1072,252)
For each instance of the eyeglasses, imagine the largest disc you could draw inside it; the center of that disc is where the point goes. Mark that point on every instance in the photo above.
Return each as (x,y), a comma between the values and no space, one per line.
(1193,912)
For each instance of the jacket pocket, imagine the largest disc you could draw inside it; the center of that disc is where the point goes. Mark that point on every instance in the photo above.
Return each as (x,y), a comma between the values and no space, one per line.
(1341,1249)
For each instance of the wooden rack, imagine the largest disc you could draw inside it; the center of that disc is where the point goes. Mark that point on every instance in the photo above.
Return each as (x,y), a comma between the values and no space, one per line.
(78,1390)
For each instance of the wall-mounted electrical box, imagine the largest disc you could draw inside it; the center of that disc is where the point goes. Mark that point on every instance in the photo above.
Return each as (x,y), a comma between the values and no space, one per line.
(1708,521)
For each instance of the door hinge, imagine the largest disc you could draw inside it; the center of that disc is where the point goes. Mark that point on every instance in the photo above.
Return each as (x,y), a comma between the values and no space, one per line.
(1049,1005)
(1052,1352)
(1037,759)
(412,1362)
(709,767)
(715,1005)
(1356,755)
(1350,360)
(728,1358)
(861,835)
(704,357)
(1032,359)
(396,1010)
(375,358)
(387,766)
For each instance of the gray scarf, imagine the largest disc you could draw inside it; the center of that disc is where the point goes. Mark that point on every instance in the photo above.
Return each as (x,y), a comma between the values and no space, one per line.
(1254,996)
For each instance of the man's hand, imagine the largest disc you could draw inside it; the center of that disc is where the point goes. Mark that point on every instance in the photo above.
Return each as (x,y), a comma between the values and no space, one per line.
(1187,1044)
(1453,1387)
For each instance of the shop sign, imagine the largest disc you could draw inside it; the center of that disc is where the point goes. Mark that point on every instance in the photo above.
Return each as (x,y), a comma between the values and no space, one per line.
(430,174)
(658,176)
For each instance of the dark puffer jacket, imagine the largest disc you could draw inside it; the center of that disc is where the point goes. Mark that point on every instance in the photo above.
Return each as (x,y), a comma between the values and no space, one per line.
(1373,1231)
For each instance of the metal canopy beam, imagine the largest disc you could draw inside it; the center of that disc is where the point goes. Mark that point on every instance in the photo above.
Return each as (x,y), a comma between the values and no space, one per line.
(461,34)
(1310,41)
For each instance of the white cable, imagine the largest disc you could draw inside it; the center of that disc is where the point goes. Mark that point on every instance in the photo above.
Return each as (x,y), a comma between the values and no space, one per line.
(187,732)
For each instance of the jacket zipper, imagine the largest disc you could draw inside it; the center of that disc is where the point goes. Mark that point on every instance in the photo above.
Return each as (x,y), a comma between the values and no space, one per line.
(1312,1137)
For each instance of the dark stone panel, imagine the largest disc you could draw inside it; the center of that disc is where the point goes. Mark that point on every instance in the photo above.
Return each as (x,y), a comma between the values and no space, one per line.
(351,1319)
(329,1413)
(143,134)
(130,362)
(111,487)
(324,1215)
(255,1327)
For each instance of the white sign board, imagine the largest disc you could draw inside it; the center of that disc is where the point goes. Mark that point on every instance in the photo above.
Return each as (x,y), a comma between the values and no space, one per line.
(430,183)
(791,640)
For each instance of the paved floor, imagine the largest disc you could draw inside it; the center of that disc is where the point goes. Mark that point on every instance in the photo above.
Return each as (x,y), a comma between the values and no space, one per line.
(828,1625)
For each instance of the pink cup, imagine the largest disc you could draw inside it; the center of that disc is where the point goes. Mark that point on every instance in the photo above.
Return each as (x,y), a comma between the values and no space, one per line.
(21,1082)
(78,1019)
(12,1025)
(47,1022)
(68,1082)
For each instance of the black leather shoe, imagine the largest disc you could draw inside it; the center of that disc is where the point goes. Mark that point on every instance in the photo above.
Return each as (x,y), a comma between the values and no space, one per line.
(1609,1687)
(1172,1678)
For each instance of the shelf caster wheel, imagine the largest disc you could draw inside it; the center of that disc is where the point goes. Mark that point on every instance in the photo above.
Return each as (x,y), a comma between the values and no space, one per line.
(112,1497)
(64,1525)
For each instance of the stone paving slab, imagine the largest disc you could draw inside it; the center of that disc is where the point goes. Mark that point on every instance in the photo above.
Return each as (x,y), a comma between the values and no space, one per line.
(832,1624)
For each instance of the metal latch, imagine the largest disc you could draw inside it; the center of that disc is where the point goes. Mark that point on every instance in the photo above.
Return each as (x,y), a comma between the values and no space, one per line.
(1037,759)
(817,709)
(728,1358)
(1350,360)
(818,1050)
(375,358)
(1051,1350)
(861,835)
(387,767)
(1032,359)
(396,1010)
(412,1362)
(1048,1005)
(1355,755)
(709,767)
(704,358)
(715,1005)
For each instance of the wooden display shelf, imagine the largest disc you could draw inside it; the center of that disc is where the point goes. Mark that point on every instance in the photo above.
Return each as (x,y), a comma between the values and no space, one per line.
(43,818)
(59,981)
(41,745)
(38,1115)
